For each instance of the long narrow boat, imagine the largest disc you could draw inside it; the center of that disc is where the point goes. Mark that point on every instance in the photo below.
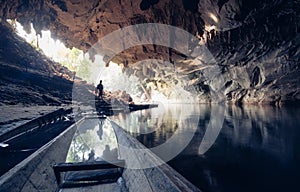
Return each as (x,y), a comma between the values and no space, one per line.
(120,164)
(94,167)
(109,109)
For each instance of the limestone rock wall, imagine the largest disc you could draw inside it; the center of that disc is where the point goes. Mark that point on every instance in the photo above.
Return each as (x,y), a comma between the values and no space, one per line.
(259,60)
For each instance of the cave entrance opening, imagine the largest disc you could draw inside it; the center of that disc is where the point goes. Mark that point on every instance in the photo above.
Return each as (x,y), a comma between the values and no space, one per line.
(115,77)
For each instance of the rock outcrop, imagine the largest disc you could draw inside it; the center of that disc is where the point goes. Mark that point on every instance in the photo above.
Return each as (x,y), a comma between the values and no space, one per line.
(255,43)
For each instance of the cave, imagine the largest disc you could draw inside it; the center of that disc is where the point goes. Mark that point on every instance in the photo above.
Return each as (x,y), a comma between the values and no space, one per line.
(239,36)
(239,55)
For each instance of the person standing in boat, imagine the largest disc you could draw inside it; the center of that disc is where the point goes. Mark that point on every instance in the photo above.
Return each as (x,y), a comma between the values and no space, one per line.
(100,90)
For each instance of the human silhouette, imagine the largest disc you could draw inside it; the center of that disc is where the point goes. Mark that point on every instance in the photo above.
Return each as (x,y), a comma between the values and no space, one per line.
(91,155)
(100,90)
(109,155)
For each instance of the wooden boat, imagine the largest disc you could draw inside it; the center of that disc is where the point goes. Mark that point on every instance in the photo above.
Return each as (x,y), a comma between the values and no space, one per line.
(52,165)
(89,160)
(136,107)
(123,171)
(117,107)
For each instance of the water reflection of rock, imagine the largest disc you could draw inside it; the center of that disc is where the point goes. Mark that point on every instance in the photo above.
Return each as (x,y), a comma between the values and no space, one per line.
(266,128)
(153,127)
(157,131)
(270,129)
(137,122)
(256,150)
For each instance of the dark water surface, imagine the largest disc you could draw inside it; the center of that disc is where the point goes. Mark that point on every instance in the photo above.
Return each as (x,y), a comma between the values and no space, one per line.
(250,148)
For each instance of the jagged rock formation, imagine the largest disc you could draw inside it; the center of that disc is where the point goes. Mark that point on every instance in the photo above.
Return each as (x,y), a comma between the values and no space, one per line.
(255,43)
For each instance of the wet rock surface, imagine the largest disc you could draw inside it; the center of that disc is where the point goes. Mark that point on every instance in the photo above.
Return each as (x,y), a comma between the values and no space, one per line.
(255,43)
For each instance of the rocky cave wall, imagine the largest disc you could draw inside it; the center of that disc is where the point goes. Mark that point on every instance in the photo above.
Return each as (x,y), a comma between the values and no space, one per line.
(255,42)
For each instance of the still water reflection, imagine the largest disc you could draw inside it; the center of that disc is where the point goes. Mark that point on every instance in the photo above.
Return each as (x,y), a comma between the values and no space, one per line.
(94,140)
(255,149)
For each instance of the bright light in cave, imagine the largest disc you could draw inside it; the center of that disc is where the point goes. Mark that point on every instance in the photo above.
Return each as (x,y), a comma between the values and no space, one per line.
(214,18)
(113,77)
(54,49)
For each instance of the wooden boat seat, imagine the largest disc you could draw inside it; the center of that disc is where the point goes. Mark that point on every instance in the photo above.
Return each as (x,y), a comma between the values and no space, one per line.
(87,173)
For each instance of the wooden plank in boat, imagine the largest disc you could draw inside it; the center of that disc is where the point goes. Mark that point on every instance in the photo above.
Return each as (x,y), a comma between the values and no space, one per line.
(63,167)
(99,188)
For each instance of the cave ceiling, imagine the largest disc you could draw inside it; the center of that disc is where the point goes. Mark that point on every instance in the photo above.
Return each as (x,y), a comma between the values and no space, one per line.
(255,42)
(81,24)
